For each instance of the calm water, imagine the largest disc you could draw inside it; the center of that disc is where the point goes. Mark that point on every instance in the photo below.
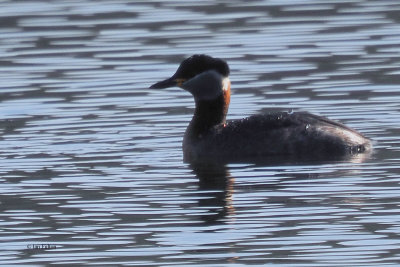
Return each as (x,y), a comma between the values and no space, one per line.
(91,160)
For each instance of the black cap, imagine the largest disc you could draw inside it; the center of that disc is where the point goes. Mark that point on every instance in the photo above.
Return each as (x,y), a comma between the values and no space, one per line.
(193,66)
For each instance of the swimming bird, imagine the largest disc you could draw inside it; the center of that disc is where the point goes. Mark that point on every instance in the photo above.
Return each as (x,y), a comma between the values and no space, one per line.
(274,134)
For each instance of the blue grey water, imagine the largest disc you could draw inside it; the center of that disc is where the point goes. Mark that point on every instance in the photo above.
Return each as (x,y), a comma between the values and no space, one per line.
(91,160)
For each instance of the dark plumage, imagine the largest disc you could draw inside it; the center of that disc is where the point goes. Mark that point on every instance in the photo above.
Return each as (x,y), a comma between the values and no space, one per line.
(295,135)
(287,135)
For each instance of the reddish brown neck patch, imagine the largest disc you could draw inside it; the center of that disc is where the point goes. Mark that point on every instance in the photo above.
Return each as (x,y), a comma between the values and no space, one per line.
(227,95)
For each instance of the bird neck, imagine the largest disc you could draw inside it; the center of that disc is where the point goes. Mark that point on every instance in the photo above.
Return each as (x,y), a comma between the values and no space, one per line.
(209,113)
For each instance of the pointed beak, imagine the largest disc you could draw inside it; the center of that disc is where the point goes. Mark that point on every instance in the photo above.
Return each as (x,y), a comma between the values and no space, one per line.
(170,82)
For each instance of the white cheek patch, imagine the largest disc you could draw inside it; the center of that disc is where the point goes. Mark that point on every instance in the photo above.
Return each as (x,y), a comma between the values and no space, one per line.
(226,84)
(208,85)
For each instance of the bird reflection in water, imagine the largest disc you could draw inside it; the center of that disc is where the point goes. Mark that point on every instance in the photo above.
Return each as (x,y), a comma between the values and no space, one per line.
(217,185)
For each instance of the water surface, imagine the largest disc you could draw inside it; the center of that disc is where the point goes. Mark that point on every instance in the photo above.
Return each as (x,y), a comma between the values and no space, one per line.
(91,159)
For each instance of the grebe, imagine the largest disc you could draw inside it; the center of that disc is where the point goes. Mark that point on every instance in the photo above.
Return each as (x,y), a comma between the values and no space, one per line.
(279,134)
